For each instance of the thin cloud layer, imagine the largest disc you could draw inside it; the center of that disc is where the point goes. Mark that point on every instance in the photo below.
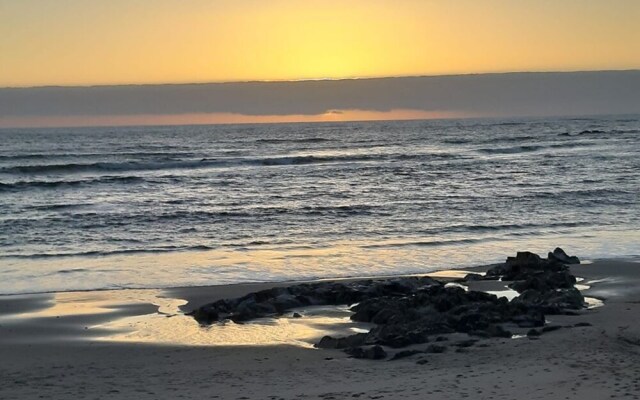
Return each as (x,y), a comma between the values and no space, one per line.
(511,94)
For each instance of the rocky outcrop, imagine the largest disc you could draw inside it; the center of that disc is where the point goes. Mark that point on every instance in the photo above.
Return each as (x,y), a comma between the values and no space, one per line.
(279,300)
(412,310)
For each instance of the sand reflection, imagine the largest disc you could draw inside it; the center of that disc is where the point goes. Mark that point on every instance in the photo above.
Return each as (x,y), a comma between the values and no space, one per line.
(180,329)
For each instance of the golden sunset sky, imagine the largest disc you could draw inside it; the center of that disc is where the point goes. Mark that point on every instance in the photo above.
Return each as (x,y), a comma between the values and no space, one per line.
(116,42)
(89,42)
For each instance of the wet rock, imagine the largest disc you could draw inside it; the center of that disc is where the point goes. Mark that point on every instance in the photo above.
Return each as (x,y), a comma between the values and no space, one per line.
(559,255)
(409,310)
(328,342)
(553,301)
(473,277)
(544,281)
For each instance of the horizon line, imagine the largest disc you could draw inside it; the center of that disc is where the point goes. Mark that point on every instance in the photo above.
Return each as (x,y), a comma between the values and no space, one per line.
(459,118)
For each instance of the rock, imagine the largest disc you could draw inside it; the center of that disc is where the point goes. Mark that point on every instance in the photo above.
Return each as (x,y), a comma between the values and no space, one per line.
(404,354)
(544,281)
(435,348)
(582,324)
(473,277)
(553,301)
(328,342)
(466,343)
(409,310)
(551,328)
(371,353)
(498,331)
(530,320)
(558,255)
(533,332)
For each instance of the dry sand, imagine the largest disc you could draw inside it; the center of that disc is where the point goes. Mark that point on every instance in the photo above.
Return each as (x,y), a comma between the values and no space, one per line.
(46,352)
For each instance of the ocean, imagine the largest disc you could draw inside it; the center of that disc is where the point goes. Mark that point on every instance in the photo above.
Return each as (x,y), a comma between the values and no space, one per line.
(153,207)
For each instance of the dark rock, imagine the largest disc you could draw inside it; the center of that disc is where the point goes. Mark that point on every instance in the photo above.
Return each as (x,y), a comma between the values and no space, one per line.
(296,315)
(581,324)
(371,353)
(480,333)
(530,320)
(551,328)
(553,301)
(407,311)
(404,354)
(435,348)
(328,342)
(498,331)
(544,281)
(534,332)
(558,255)
(473,277)
(422,361)
(466,343)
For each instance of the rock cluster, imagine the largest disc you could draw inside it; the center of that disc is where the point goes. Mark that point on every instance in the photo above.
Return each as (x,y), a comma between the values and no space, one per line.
(413,310)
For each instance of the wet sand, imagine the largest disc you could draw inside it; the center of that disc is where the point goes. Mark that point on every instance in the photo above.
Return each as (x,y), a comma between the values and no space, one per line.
(60,346)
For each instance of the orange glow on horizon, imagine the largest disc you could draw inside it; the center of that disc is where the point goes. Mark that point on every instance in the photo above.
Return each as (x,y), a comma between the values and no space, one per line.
(221,118)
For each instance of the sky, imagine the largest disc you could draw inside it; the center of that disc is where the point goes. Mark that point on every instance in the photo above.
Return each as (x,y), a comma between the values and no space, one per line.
(95,42)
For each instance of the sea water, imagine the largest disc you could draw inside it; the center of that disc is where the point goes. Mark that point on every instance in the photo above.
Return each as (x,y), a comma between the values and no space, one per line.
(152,207)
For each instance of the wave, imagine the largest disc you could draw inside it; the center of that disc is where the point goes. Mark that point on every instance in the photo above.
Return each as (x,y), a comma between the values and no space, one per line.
(37,156)
(209,163)
(96,253)
(534,148)
(301,140)
(24,185)
(511,150)
(600,132)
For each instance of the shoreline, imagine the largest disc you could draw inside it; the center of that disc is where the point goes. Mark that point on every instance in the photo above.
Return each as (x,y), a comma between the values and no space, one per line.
(56,357)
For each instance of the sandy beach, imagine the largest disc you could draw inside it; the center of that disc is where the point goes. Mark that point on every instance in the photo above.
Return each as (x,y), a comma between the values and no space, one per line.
(65,346)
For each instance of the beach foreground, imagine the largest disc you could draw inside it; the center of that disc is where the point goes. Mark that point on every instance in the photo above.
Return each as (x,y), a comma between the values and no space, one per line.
(53,347)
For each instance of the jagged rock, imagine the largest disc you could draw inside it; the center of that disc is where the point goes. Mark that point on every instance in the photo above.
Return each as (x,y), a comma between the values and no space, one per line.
(544,281)
(553,301)
(558,255)
(473,277)
(409,310)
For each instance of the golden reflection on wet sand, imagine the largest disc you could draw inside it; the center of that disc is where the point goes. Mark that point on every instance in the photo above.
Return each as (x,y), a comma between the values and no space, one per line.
(183,330)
